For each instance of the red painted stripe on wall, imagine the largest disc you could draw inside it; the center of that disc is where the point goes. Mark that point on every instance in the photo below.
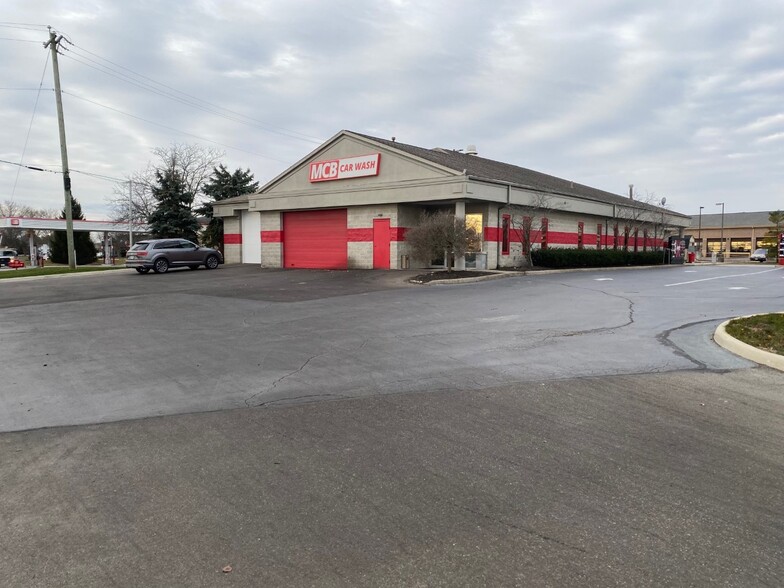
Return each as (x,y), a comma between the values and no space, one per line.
(398,233)
(360,235)
(272,236)
(232,238)
(492,234)
(366,235)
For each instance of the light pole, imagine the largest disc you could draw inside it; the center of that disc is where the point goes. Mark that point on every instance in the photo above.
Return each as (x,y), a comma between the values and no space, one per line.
(699,231)
(722,229)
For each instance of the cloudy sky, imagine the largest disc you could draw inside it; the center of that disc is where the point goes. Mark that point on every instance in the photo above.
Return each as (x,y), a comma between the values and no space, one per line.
(681,99)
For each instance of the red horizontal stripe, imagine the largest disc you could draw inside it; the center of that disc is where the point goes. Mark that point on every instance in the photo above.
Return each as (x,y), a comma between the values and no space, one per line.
(360,235)
(398,233)
(272,236)
(492,234)
(232,238)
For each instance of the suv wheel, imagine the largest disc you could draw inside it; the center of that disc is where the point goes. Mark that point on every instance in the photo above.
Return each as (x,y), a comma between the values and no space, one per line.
(161,265)
(212,262)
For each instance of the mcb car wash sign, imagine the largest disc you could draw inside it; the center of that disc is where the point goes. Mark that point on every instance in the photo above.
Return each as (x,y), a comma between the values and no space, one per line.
(341,169)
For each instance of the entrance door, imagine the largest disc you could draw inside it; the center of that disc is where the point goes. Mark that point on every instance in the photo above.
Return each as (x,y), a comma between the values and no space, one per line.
(381,238)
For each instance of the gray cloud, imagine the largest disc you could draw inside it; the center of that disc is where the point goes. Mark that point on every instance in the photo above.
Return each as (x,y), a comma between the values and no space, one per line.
(681,100)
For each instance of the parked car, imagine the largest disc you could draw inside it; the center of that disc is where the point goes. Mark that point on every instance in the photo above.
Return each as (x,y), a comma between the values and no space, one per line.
(760,255)
(159,255)
(6,255)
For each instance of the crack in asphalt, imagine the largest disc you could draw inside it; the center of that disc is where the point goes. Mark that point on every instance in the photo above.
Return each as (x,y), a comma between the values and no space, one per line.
(664,339)
(516,527)
(295,398)
(279,380)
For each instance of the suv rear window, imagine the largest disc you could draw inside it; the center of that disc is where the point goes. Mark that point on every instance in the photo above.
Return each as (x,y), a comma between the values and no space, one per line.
(140,246)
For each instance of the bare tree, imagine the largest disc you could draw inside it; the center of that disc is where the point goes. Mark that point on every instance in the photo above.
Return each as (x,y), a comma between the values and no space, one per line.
(14,237)
(642,215)
(194,163)
(526,221)
(440,233)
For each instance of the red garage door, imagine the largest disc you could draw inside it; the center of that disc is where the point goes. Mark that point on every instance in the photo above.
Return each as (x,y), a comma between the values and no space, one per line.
(316,239)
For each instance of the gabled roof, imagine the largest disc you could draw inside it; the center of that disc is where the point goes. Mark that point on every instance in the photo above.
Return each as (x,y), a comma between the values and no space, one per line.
(491,170)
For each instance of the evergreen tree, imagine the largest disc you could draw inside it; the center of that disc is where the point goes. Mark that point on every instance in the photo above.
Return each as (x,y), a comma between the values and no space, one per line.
(86,251)
(173,216)
(221,185)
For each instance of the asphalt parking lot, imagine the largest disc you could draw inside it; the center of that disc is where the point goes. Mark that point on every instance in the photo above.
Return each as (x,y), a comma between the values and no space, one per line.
(119,345)
(348,428)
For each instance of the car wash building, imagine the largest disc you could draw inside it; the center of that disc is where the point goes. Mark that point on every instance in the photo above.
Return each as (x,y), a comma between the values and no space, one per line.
(348,204)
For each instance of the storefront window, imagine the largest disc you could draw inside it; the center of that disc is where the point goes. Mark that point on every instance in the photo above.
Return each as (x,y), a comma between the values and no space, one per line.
(580,229)
(740,245)
(545,230)
(599,236)
(714,245)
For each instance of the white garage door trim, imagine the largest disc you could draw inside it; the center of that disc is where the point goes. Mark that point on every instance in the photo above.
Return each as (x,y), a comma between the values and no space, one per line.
(251,237)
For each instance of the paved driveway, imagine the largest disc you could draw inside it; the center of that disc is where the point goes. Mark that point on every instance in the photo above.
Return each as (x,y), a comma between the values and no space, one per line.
(530,452)
(95,348)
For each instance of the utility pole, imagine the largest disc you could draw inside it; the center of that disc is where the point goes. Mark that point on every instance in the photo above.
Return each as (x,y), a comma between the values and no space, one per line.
(53,43)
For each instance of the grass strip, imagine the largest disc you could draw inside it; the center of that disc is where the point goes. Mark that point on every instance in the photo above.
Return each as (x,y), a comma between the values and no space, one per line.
(50,271)
(765,331)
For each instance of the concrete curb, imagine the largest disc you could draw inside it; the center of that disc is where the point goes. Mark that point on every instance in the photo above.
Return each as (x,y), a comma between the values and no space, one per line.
(512,273)
(468,280)
(733,345)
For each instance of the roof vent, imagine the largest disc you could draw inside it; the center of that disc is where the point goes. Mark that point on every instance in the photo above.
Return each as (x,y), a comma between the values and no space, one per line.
(471,150)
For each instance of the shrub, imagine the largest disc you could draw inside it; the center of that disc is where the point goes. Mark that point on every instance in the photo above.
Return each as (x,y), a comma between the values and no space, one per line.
(574,258)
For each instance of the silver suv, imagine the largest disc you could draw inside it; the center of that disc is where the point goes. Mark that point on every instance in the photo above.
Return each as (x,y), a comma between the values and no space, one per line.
(159,255)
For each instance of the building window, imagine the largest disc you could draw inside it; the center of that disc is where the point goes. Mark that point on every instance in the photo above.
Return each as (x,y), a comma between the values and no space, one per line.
(636,236)
(626,238)
(505,220)
(740,245)
(545,228)
(475,221)
(645,239)
(580,229)
(599,236)
(714,245)
(615,236)
(766,243)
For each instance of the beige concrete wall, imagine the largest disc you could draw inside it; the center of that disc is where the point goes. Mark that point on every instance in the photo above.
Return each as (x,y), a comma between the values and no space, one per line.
(232,253)
(360,253)
(271,253)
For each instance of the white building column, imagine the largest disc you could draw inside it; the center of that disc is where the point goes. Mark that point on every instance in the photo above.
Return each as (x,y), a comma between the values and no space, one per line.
(460,215)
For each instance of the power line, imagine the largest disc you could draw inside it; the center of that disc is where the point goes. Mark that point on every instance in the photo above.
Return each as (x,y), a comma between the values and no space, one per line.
(22,26)
(172,128)
(29,128)
(191,98)
(20,40)
(40,169)
(99,67)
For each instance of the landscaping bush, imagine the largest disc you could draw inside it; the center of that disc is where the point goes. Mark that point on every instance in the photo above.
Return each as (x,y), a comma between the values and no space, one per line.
(571,258)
